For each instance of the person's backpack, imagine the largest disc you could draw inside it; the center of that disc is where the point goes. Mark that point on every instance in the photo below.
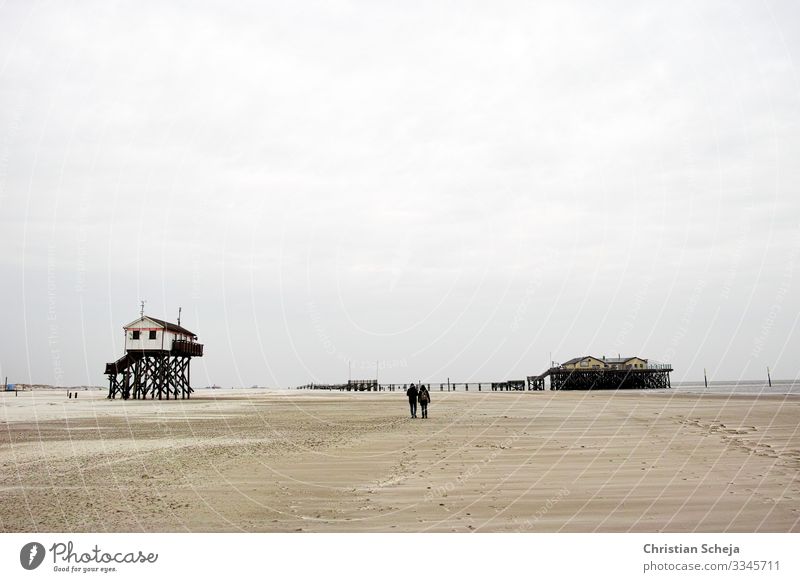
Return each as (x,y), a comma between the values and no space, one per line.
(424,396)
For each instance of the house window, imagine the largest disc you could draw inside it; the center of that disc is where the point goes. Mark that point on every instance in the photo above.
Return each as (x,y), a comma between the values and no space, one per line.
(153,334)
(584,363)
(135,335)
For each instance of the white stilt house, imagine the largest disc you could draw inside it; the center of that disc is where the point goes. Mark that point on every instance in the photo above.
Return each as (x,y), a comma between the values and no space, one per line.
(156,361)
(151,334)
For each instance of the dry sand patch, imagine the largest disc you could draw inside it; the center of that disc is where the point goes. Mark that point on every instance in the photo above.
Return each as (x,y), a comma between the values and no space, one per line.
(294,461)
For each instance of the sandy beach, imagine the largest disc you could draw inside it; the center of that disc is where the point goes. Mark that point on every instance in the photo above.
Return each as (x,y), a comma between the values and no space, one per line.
(341,462)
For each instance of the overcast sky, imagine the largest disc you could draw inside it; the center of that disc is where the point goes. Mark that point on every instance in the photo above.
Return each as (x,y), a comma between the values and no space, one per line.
(450,189)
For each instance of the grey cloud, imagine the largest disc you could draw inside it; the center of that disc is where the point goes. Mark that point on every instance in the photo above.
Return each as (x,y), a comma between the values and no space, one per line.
(400,181)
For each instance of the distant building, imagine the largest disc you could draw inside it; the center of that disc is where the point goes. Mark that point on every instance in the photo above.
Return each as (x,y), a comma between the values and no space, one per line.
(593,363)
(593,373)
(629,362)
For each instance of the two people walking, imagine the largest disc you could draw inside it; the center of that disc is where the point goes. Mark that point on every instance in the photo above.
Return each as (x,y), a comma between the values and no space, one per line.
(421,395)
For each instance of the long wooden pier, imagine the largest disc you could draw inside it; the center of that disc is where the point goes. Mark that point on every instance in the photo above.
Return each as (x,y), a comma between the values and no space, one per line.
(652,377)
(373,386)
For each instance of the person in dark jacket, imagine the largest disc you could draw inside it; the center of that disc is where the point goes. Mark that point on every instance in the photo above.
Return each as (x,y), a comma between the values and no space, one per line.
(424,398)
(412,400)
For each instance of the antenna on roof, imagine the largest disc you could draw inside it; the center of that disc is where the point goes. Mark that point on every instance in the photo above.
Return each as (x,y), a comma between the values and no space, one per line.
(141,312)
(179,315)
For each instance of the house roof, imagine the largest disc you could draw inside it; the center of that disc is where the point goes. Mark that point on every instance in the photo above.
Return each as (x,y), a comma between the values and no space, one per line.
(174,327)
(576,360)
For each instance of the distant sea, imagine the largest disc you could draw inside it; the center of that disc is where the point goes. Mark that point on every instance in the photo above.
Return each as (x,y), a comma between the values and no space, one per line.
(742,387)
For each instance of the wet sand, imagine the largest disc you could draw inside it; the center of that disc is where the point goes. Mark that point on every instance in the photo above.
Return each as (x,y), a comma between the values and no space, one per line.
(341,462)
